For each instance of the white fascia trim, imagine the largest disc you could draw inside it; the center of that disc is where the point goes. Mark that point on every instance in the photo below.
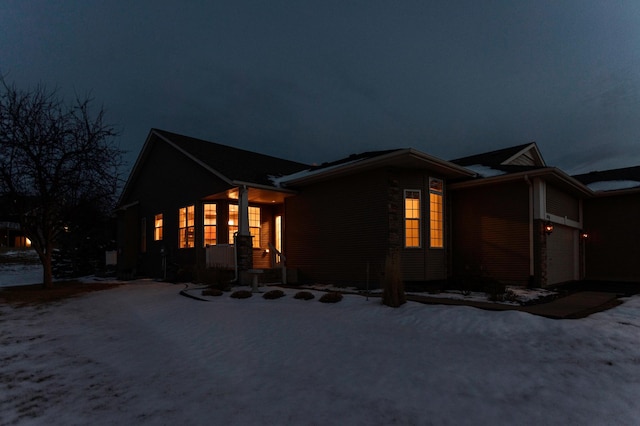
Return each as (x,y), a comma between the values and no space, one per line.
(240,183)
(564,221)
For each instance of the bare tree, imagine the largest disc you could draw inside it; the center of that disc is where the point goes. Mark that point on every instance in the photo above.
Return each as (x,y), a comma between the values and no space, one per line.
(53,157)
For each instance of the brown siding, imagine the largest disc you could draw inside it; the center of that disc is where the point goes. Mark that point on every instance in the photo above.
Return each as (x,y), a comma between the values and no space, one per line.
(490,227)
(336,228)
(612,250)
(167,181)
(562,204)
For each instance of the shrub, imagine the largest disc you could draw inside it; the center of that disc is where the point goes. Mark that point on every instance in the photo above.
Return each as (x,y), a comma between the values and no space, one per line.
(494,289)
(332,297)
(304,295)
(273,294)
(212,292)
(214,277)
(241,294)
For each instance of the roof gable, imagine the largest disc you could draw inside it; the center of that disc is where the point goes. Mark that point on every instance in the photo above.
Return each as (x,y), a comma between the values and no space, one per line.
(521,155)
(232,165)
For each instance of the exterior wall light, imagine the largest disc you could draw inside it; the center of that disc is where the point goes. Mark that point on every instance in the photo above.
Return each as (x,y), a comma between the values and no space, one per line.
(584,235)
(548,227)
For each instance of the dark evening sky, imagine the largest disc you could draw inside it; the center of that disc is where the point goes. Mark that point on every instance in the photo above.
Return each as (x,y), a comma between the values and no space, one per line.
(317,81)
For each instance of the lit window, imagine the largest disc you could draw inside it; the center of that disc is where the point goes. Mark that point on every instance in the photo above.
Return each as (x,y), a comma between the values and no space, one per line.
(209,224)
(435,213)
(157,227)
(254,223)
(186,227)
(412,218)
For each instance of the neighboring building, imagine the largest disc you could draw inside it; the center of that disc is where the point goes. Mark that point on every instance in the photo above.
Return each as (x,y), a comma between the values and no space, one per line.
(193,205)
(11,234)
(612,225)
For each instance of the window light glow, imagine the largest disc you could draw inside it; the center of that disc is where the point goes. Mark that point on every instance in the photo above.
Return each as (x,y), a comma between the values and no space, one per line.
(436,217)
(412,218)
(157,227)
(186,229)
(209,222)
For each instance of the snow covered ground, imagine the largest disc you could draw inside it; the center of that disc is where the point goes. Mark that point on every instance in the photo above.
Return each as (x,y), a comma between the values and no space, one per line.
(20,267)
(142,354)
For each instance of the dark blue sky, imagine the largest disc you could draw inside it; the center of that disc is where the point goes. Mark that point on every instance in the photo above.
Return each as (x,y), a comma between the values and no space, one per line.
(316,81)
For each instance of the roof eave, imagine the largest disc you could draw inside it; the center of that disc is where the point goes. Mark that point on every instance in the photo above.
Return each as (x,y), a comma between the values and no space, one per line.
(240,183)
(628,191)
(369,163)
(548,171)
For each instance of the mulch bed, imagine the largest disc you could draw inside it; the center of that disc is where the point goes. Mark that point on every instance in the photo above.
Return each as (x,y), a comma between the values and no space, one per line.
(36,294)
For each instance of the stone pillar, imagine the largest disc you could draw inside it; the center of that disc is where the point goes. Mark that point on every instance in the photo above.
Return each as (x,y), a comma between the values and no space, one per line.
(244,249)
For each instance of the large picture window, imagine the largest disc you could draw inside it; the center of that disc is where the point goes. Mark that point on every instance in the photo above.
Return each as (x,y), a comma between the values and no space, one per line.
(254,223)
(411,218)
(436,218)
(209,223)
(186,230)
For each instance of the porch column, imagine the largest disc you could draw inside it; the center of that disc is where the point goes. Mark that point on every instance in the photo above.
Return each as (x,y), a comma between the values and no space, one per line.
(244,246)
(243,211)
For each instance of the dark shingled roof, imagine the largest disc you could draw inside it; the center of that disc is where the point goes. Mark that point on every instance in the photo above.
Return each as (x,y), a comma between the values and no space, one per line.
(627,173)
(234,163)
(354,157)
(493,158)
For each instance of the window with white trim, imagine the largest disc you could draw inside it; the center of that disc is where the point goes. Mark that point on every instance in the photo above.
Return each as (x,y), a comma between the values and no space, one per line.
(186,228)
(254,223)
(436,216)
(209,224)
(412,218)
(157,227)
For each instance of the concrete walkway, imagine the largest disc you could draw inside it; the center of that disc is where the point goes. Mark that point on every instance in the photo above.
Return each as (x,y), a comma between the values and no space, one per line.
(576,305)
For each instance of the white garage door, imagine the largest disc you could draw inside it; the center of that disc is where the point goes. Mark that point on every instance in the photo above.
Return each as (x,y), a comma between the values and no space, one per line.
(562,255)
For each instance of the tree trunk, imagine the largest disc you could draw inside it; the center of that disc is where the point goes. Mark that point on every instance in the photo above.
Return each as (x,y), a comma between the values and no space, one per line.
(47,273)
(393,291)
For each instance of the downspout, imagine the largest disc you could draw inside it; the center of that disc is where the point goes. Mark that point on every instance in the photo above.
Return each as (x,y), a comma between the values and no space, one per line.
(531,233)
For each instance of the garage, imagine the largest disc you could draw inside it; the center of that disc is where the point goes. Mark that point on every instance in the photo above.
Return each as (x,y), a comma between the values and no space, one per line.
(562,255)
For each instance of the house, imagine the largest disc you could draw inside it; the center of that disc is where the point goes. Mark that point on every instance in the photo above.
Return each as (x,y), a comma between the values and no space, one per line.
(612,225)
(11,234)
(185,195)
(195,205)
(519,221)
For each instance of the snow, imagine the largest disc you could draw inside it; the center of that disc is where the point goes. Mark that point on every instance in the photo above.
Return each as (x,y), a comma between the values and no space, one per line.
(484,171)
(613,185)
(15,271)
(142,354)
